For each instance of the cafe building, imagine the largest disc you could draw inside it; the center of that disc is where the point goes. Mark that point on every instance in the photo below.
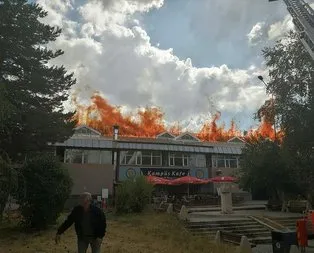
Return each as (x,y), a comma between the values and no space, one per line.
(95,162)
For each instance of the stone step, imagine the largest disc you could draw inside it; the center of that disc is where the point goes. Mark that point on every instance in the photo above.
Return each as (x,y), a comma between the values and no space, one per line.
(225,226)
(213,223)
(237,228)
(244,231)
(261,240)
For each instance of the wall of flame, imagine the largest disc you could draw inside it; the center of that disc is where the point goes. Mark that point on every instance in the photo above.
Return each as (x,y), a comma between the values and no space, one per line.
(100,115)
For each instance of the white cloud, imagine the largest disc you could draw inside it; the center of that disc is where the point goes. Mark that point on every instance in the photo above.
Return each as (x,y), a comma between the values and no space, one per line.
(111,53)
(257,32)
(279,29)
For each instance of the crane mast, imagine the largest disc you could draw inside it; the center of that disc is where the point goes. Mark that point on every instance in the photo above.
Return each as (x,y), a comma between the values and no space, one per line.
(303,19)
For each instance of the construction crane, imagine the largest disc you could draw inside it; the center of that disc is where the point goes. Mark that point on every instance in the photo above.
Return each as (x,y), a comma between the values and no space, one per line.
(303,19)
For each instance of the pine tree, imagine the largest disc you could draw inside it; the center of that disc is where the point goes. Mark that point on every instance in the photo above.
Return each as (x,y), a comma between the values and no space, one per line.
(32,90)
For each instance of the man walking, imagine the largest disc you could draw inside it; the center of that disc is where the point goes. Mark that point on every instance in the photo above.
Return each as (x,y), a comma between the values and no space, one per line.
(90,225)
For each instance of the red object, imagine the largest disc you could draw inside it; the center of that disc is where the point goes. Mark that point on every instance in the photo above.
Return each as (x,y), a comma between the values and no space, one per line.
(188,180)
(302,233)
(221,179)
(158,180)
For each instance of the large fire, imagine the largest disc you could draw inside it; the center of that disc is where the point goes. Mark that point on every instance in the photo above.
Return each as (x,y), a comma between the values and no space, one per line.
(149,122)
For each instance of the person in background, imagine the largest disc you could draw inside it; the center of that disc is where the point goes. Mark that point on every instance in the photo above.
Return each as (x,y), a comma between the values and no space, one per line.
(90,225)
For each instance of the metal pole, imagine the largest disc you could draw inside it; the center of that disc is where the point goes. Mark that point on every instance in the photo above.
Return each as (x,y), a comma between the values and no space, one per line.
(115,155)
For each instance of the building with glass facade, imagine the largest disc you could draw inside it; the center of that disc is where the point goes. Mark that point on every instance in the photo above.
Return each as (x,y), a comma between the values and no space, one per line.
(95,161)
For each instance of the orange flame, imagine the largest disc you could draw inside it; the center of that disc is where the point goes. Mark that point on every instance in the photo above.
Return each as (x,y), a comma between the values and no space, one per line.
(149,122)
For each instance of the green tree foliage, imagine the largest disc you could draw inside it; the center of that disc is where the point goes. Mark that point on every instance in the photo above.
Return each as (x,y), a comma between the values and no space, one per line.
(264,169)
(132,196)
(46,187)
(291,73)
(32,89)
(8,181)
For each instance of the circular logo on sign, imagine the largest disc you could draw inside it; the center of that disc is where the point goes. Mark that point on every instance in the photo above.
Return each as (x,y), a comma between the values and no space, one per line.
(278,246)
(130,173)
(200,174)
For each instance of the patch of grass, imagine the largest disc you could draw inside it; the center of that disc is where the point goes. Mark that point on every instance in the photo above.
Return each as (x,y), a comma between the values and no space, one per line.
(143,233)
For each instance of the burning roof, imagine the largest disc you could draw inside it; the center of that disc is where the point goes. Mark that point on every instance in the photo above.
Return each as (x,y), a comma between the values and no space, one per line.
(149,123)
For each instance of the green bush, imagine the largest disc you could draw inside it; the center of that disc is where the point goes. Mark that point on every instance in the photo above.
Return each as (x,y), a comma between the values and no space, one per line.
(132,196)
(46,187)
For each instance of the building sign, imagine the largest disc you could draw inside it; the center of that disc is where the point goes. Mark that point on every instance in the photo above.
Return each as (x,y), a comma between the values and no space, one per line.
(130,173)
(160,172)
(200,174)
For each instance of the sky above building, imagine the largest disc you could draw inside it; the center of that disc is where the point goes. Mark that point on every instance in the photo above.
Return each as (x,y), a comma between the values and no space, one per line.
(189,57)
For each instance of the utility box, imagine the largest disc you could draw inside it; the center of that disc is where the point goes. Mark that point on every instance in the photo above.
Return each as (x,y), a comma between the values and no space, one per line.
(282,241)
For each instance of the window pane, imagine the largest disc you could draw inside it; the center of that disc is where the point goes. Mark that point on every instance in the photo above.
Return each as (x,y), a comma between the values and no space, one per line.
(185,161)
(106,157)
(178,161)
(146,153)
(130,157)
(156,153)
(122,157)
(67,156)
(233,163)
(171,159)
(221,163)
(138,159)
(76,156)
(156,161)
(146,160)
(92,156)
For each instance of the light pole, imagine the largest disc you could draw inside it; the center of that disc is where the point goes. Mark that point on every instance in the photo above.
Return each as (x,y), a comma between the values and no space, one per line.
(115,157)
(273,104)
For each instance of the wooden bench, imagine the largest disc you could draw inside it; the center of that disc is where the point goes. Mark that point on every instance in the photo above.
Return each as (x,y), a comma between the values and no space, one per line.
(298,206)
(232,238)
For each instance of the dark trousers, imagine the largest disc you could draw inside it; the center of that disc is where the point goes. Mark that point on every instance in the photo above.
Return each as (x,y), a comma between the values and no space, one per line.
(83,244)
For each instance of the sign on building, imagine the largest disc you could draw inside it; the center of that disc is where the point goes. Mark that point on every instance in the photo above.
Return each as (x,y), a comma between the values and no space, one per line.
(160,172)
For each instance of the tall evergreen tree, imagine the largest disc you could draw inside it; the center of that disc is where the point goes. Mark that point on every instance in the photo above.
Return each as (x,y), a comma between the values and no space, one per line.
(32,90)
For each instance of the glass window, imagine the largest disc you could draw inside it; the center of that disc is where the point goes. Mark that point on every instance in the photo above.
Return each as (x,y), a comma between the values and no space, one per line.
(91,156)
(200,160)
(146,159)
(171,159)
(185,160)
(225,161)
(221,163)
(67,156)
(76,156)
(130,158)
(156,160)
(138,158)
(233,163)
(105,157)
(178,161)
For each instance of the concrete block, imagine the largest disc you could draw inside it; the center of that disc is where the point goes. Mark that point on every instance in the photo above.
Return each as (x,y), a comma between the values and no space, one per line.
(218,238)
(183,215)
(245,246)
(170,208)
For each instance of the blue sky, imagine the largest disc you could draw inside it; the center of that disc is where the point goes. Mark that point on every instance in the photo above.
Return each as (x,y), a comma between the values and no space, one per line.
(189,57)
(180,25)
